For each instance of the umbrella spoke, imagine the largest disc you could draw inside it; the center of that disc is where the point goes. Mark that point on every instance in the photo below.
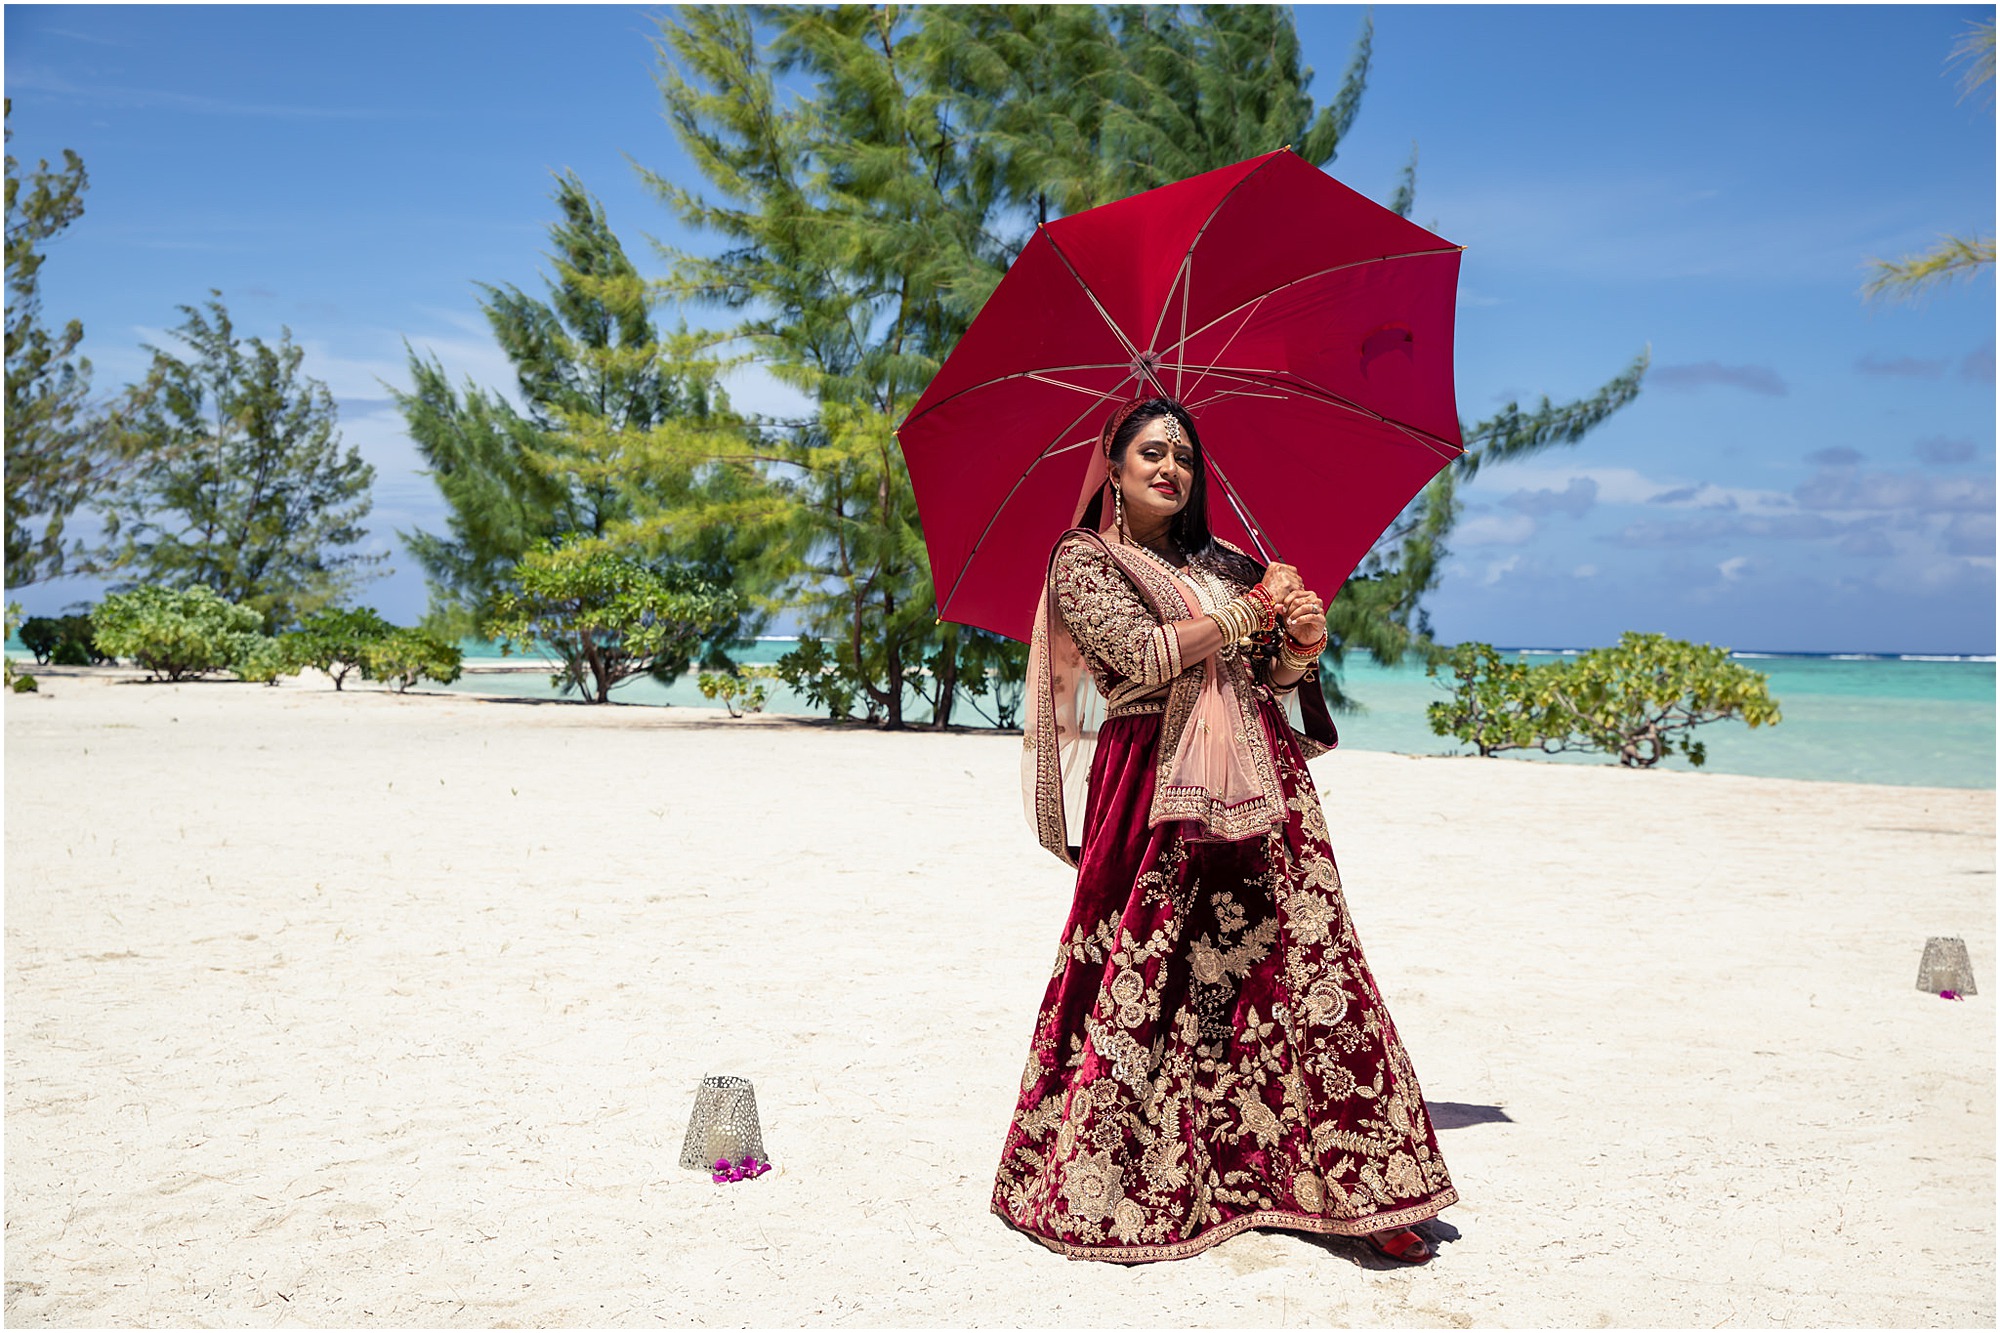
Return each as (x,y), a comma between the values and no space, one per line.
(1249,313)
(1184,276)
(1040,373)
(1139,360)
(1287,384)
(1243,512)
(1305,278)
(1052,449)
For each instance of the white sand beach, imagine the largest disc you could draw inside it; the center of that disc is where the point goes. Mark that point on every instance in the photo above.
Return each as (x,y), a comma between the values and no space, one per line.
(354,1009)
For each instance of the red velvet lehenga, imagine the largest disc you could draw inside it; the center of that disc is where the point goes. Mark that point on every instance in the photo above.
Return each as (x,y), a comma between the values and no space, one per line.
(1212,1053)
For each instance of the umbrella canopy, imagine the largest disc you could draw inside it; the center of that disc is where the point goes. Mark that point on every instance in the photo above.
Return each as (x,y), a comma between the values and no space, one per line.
(1307,329)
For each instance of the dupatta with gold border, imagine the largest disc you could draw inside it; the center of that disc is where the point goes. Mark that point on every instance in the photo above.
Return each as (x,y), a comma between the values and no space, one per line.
(1215,775)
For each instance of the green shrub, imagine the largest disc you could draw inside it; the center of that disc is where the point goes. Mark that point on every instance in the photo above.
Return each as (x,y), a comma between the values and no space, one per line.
(1494,704)
(336,641)
(812,671)
(741,691)
(405,656)
(174,633)
(1638,700)
(609,616)
(21,682)
(260,659)
(63,640)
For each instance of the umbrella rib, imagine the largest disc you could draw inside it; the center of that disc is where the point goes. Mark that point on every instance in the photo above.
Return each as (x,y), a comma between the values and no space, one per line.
(1251,307)
(1243,513)
(1138,361)
(1306,388)
(1308,277)
(1036,373)
(1048,451)
(1184,278)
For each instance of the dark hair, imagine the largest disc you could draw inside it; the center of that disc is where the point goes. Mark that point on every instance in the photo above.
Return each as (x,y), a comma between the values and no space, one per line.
(1189,528)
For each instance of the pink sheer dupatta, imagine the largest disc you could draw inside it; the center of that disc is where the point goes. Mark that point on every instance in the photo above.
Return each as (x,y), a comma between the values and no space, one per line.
(1217,774)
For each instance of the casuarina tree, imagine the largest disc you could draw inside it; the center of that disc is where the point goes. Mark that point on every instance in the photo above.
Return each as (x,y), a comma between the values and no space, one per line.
(241,482)
(590,366)
(61,452)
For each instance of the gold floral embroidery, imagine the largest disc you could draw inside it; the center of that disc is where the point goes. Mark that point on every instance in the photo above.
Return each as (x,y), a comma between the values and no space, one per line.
(1128,1221)
(1090,1185)
(1143,1154)
(1309,915)
(1326,1005)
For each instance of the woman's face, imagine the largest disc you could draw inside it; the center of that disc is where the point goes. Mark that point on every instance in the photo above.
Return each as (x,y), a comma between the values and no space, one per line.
(1156,477)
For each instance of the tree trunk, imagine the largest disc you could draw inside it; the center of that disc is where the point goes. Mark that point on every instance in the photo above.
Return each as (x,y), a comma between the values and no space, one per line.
(946,683)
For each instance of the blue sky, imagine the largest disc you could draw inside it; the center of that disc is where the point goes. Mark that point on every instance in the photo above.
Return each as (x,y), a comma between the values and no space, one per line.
(1803,472)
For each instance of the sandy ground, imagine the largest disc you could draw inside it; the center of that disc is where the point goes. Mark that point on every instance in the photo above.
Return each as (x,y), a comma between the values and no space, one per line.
(365,1010)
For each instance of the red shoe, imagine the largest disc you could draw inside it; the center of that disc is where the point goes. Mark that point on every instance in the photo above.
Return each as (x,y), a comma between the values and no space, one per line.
(1401,1244)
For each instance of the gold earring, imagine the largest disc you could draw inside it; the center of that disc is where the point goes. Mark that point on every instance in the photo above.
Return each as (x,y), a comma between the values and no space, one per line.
(1118,504)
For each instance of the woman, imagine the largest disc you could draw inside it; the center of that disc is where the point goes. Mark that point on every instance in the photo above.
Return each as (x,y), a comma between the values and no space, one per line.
(1212,1053)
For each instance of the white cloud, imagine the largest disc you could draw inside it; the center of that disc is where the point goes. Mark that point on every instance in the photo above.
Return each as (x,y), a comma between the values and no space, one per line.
(1629,486)
(1734,568)
(1494,530)
(1584,572)
(1498,570)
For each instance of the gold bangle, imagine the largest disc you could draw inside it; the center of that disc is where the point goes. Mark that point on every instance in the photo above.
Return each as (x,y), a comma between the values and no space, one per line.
(1298,661)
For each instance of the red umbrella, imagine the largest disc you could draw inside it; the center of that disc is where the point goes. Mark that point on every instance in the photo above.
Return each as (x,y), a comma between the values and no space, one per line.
(1306,328)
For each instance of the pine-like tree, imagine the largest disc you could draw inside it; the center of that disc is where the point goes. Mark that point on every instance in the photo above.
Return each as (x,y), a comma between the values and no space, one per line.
(587,360)
(241,485)
(60,450)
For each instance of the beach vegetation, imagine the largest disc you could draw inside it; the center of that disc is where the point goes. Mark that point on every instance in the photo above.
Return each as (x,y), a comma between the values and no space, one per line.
(816,675)
(608,616)
(335,640)
(260,659)
(402,657)
(243,486)
(174,633)
(1639,700)
(872,171)
(62,450)
(599,451)
(21,682)
(743,690)
(1495,704)
(63,640)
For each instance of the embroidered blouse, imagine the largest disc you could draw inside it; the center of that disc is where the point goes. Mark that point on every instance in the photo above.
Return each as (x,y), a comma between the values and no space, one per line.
(1133,657)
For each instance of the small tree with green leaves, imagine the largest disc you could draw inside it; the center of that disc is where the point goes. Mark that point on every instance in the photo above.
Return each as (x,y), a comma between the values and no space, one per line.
(403,657)
(63,640)
(174,633)
(1494,705)
(608,616)
(817,676)
(244,485)
(742,690)
(260,659)
(336,641)
(1637,700)
(1640,699)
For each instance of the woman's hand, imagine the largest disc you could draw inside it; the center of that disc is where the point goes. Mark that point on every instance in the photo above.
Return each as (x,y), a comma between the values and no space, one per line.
(1305,616)
(1282,582)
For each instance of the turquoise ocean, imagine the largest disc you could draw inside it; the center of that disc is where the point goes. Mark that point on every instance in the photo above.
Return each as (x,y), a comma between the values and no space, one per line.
(1909,720)
(1905,720)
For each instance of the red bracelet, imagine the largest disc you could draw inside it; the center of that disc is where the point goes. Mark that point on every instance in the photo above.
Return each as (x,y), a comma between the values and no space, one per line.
(1262,596)
(1312,647)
